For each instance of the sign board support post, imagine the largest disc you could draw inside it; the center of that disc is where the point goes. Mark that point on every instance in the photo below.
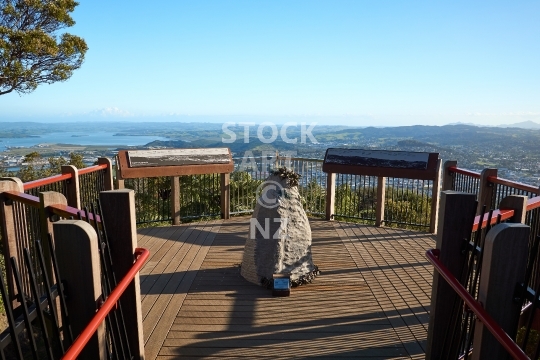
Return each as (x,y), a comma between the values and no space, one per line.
(175,200)
(381,195)
(330,195)
(225,195)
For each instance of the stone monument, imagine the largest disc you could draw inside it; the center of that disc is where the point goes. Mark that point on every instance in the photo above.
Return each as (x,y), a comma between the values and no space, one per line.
(279,240)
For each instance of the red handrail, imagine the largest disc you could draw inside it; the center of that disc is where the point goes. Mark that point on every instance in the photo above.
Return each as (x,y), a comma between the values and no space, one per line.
(505,215)
(499,334)
(46,181)
(77,346)
(533,203)
(57,178)
(470,173)
(513,184)
(94,168)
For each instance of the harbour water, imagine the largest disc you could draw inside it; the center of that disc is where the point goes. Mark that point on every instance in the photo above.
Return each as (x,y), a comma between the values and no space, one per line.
(78,138)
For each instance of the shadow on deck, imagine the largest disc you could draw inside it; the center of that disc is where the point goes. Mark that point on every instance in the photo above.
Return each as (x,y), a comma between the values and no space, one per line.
(370,301)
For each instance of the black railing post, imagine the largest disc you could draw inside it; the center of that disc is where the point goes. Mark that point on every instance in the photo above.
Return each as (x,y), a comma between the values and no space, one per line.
(456,216)
(120,226)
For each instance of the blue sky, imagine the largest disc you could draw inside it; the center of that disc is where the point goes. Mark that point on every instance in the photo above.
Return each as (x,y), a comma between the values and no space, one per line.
(347,62)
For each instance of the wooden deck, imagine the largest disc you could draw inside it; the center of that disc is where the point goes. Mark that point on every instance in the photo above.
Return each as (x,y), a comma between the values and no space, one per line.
(370,301)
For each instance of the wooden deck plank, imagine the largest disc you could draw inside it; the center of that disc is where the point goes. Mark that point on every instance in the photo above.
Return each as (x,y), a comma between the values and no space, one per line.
(164,310)
(397,293)
(370,301)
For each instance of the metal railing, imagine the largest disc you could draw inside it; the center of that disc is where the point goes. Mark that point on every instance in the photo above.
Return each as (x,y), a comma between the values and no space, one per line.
(470,182)
(32,286)
(460,331)
(408,201)
(141,255)
(476,307)
(356,197)
(465,180)
(200,194)
(57,183)
(91,183)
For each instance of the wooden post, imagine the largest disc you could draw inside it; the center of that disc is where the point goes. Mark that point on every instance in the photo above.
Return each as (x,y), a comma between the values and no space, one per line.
(120,224)
(381,196)
(225,195)
(518,203)
(78,261)
(7,228)
(435,200)
(175,200)
(503,267)
(73,193)
(46,199)
(119,179)
(456,214)
(108,183)
(330,195)
(447,178)
(485,194)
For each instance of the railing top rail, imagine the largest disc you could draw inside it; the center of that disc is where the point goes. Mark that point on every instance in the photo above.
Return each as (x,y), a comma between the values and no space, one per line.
(533,203)
(26,199)
(57,178)
(514,184)
(300,158)
(505,214)
(46,181)
(470,173)
(141,256)
(57,209)
(501,336)
(67,212)
(280,157)
(94,168)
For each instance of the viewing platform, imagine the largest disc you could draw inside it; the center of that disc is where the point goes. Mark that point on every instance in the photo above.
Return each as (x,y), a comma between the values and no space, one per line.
(371,299)
(377,296)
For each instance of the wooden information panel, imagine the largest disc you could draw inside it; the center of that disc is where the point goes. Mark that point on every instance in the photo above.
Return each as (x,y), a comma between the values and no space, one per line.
(403,164)
(174,162)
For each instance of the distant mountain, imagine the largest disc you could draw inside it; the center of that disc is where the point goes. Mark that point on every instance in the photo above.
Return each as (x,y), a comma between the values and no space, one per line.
(523,125)
(462,123)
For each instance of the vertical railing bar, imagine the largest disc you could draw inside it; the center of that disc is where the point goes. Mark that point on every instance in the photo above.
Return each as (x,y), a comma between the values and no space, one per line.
(22,300)
(37,303)
(10,319)
(51,303)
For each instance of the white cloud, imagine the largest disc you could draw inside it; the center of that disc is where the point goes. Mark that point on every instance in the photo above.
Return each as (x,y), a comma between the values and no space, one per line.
(110,112)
